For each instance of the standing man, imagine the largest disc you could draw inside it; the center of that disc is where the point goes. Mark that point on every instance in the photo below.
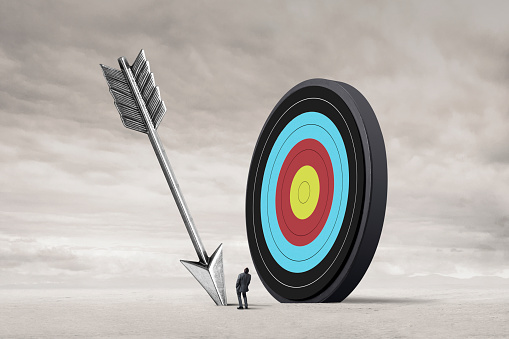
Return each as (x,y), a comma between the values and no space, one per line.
(242,286)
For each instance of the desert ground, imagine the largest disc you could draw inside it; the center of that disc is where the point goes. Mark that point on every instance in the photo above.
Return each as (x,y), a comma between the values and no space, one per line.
(422,308)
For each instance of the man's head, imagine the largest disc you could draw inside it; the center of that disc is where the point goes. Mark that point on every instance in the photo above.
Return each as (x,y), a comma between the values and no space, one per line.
(246,270)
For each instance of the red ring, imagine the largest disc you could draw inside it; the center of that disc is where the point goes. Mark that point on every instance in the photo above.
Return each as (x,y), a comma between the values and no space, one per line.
(301,232)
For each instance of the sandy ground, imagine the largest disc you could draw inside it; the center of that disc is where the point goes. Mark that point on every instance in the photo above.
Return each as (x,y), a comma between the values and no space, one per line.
(377,313)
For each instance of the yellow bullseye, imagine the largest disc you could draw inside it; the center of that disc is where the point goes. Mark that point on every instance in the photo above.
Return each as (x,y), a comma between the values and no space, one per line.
(304,192)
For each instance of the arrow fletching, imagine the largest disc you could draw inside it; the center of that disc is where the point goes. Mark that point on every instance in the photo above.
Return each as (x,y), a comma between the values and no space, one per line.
(124,96)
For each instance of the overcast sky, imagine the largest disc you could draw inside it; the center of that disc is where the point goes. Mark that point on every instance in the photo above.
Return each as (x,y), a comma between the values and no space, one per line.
(84,202)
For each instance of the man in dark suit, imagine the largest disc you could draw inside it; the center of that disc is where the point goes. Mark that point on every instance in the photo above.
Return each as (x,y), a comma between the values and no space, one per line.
(242,286)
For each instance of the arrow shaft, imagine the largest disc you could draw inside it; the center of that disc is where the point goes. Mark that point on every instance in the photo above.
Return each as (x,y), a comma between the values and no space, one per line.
(166,167)
(177,195)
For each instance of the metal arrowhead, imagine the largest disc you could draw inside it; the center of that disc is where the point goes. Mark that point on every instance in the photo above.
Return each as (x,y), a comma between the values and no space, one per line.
(210,276)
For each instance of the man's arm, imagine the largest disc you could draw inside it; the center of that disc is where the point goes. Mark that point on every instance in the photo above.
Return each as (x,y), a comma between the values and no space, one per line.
(238,281)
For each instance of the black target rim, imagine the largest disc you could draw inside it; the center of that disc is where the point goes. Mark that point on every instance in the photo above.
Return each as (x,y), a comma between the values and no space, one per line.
(335,275)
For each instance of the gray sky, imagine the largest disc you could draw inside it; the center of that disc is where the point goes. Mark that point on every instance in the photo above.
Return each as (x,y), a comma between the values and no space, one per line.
(84,202)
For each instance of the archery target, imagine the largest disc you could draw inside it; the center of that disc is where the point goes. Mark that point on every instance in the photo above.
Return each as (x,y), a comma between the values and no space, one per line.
(310,193)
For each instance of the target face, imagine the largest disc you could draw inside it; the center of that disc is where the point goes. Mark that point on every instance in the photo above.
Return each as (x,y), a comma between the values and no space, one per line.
(316,193)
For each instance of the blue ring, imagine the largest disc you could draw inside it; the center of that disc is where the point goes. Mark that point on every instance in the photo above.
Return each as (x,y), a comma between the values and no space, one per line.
(309,125)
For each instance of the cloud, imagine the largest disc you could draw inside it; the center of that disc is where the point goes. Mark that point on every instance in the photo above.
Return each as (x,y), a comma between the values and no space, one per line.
(435,73)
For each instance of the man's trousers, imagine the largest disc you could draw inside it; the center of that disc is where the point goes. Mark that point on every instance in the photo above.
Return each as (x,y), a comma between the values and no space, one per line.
(245,299)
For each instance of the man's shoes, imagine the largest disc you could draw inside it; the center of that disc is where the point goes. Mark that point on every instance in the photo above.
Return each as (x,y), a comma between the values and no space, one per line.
(247,307)
(240,308)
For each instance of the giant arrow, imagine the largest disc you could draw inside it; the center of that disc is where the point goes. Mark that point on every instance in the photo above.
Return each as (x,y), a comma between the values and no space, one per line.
(139,103)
